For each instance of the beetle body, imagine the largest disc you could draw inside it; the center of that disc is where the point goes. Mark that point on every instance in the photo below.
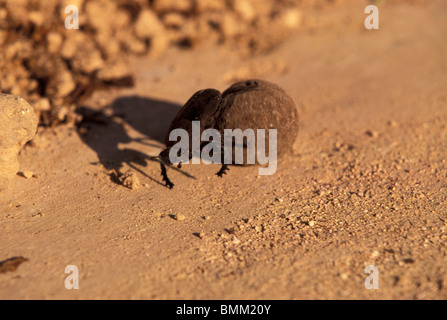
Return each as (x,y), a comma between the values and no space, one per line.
(251,104)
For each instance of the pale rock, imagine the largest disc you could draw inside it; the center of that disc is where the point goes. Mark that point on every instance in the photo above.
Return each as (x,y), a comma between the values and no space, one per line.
(291,18)
(148,25)
(130,180)
(210,5)
(109,45)
(173,20)
(18,125)
(42,104)
(81,49)
(54,42)
(37,18)
(114,71)
(173,5)
(131,43)
(245,9)
(230,25)
(28,174)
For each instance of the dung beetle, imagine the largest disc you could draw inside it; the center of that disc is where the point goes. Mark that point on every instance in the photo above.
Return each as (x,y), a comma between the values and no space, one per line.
(250,104)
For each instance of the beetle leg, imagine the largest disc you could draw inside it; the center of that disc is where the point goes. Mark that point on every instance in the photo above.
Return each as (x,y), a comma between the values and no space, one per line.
(168,182)
(223,170)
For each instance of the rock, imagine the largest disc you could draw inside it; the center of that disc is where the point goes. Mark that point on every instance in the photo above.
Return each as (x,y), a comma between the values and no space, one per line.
(179,217)
(28,174)
(42,104)
(83,53)
(131,43)
(54,41)
(100,13)
(292,18)
(159,45)
(61,112)
(37,18)
(230,25)
(129,180)
(148,25)
(109,45)
(163,6)
(210,5)
(62,83)
(18,125)
(174,20)
(245,9)
(372,134)
(392,123)
(114,71)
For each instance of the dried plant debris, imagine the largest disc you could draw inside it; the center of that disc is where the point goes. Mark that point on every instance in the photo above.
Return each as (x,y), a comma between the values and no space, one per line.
(11,264)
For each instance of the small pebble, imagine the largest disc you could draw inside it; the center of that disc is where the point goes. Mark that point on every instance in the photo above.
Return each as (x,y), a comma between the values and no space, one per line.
(129,180)
(375,254)
(179,217)
(83,131)
(27,174)
(392,123)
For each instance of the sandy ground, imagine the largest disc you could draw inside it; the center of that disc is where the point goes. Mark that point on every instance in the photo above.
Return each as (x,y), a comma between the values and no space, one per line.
(366,185)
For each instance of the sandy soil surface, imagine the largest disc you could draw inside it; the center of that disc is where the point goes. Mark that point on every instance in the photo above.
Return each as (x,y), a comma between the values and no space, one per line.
(366,185)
